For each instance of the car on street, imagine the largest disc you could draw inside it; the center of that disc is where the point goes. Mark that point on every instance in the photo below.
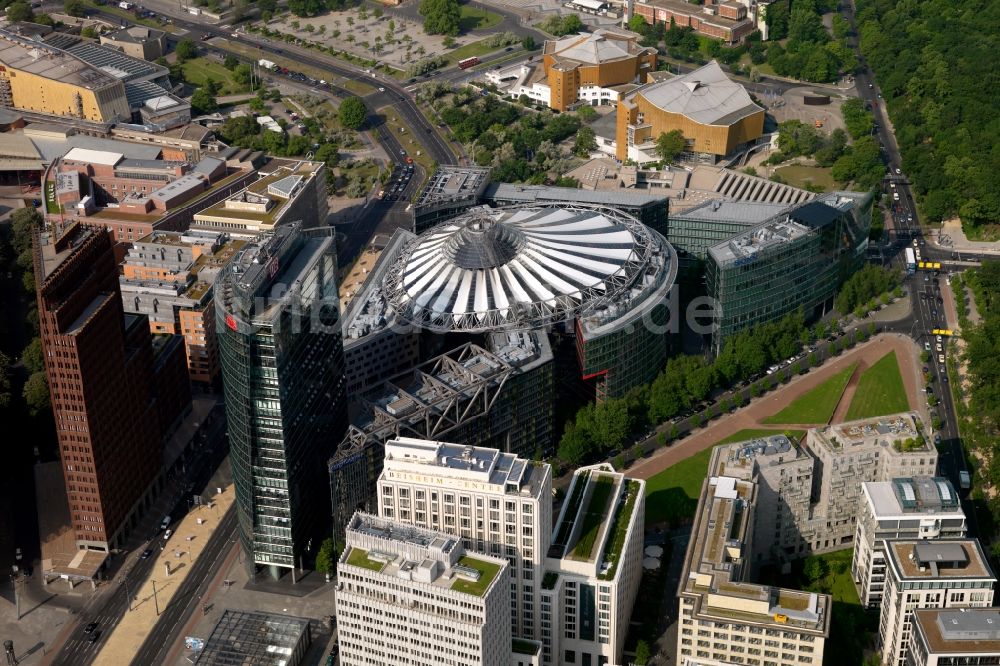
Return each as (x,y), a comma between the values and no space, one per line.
(89,629)
(927,346)
(941,358)
(940,348)
(898,171)
(145,554)
(409,160)
(381,89)
(168,534)
(93,637)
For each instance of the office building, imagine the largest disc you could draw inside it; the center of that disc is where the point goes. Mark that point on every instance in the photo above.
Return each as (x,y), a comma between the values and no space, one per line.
(593,569)
(715,114)
(495,502)
(283,375)
(137,41)
(729,22)
(966,637)
(408,595)
(725,617)
(501,399)
(168,277)
(288,191)
(588,68)
(909,508)
(847,455)
(116,393)
(941,574)
(135,197)
(783,473)
(526,268)
(451,190)
(796,259)
(250,638)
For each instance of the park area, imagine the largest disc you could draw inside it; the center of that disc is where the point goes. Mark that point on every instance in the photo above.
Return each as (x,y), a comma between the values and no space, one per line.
(867,383)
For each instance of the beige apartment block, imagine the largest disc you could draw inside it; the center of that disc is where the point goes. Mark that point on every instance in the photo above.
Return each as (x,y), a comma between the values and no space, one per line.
(949,573)
(725,618)
(852,453)
(494,502)
(407,595)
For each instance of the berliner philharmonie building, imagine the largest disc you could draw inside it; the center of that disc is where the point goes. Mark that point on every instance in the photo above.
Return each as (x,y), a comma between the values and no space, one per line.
(472,330)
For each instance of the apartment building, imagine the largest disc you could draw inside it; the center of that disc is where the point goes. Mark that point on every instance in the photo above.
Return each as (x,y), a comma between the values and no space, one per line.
(783,472)
(852,453)
(909,508)
(948,573)
(408,595)
(168,276)
(966,637)
(496,503)
(593,569)
(725,618)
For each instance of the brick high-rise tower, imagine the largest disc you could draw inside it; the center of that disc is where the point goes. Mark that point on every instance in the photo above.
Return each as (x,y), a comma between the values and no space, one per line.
(105,381)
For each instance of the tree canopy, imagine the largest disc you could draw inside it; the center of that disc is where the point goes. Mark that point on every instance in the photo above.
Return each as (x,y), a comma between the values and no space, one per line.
(935,61)
(441,17)
(670,144)
(352,113)
(185,50)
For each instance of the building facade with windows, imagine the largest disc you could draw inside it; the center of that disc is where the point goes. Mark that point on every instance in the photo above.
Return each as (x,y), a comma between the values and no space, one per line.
(725,617)
(715,114)
(908,508)
(941,574)
(796,259)
(168,277)
(283,376)
(593,569)
(964,637)
(496,503)
(116,393)
(409,595)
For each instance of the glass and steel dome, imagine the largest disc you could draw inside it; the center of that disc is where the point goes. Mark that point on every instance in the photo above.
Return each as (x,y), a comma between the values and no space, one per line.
(521,268)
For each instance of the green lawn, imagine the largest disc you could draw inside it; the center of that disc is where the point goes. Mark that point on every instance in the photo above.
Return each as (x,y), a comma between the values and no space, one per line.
(487,572)
(474,49)
(476,18)
(359,558)
(593,517)
(880,391)
(799,176)
(199,70)
(818,405)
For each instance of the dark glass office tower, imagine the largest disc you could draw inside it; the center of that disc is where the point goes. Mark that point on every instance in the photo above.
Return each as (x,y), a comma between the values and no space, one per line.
(283,374)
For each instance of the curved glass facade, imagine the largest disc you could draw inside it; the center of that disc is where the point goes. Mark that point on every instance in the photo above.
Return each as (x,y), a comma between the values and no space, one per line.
(283,375)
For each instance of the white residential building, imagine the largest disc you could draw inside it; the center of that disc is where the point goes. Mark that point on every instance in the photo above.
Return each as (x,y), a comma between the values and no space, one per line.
(970,637)
(495,502)
(929,574)
(724,617)
(920,507)
(406,595)
(593,569)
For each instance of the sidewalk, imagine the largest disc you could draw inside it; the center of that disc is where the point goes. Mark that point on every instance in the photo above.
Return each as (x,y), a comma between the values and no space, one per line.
(170,569)
(951,237)
(750,417)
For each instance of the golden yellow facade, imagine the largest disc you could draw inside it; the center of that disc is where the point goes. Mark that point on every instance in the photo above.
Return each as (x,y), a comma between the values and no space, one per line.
(32,92)
(565,77)
(712,139)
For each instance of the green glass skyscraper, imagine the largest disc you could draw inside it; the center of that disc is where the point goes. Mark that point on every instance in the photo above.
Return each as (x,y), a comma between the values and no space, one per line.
(283,375)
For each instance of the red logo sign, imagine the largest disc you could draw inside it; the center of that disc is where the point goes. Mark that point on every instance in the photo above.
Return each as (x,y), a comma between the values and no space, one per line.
(231,322)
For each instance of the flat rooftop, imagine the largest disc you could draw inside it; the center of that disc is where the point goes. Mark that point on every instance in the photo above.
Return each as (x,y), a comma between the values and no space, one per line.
(965,631)
(400,551)
(717,558)
(452,183)
(920,494)
(262,192)
(459,461)
(51,63)
(871,431)
(961,558)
